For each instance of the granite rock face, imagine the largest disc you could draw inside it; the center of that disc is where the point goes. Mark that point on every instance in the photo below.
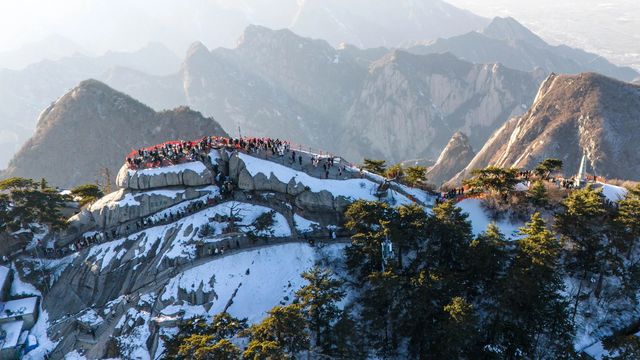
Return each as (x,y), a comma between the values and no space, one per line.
(189,174)
(455,156)
(572,115)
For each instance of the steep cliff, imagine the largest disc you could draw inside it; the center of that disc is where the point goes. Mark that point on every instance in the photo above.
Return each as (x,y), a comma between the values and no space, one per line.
(572,115)
(455,157)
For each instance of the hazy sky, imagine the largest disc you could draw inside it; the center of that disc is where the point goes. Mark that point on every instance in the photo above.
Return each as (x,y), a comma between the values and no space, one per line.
(611,28)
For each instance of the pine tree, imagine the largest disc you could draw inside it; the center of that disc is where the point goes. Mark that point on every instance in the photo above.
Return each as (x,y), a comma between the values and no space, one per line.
(318,300)
(493,179)
(627,222)
(197,339)
(24,203)
(416,176)
(204,347)
(622,347)
(346,339)
(582,224)
(487,261)
(407,230)
(365,219)
(437,274)
(88,193)
(395,172)
(547,166)
(449,237)
(282,332)
(375,166)
(537,194)
(381,301)
(535,320)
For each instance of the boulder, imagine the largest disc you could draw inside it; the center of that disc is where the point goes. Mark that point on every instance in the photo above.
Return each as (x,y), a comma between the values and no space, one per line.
(236,165)
(245,181)
(122,179)
(315,202)
(341,203)
(295,188)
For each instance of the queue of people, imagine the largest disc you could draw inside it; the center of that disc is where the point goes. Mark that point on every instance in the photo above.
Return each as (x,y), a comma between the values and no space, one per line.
(448,195)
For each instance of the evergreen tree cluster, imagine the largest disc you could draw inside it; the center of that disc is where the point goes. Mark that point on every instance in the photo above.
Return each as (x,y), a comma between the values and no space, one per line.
(24,202)
(313,325)
(448,295)
(442,293)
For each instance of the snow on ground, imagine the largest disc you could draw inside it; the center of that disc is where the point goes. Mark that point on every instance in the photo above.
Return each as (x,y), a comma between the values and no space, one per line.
(260,277)
(195,166)
(39,330)
(91,318)
(175,209)
(303,225)
(128,200)
(74,355)
(21,288)
(55,267)
(353,188)
(480,220)
(613,193)
(106,252)
(182,246)
(133,344)
(420,195)
(164,332)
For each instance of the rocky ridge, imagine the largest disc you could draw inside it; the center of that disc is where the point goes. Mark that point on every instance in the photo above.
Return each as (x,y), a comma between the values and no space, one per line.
(572,115)
(508,42)
(455,156)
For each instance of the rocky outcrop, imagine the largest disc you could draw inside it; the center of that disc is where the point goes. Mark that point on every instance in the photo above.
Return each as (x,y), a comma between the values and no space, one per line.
(455,156)
(572,115)
(305,199)
(125,206)
(188,174)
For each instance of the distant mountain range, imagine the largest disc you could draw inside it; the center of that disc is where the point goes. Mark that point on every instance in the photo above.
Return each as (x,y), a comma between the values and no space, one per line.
(279,84)
(53,47)
(508,42)
(377,103)
(389,23)
(92,128)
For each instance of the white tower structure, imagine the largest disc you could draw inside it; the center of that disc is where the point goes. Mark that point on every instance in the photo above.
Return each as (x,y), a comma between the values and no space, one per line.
(581,176)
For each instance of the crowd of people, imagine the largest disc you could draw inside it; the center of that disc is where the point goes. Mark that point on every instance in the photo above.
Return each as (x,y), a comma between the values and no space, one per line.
(448,195)
(175,152)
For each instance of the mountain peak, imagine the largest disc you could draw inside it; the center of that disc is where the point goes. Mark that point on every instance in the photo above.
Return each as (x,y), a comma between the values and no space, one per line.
(91,127)
(572,115)
(93,84)
(508,28)
(197,48)
(455,156)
